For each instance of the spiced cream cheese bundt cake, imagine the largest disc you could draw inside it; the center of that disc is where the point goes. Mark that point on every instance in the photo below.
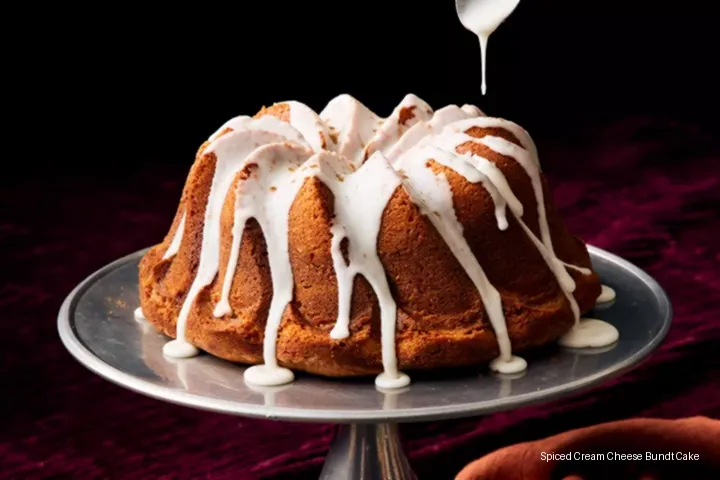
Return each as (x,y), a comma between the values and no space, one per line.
(346,244)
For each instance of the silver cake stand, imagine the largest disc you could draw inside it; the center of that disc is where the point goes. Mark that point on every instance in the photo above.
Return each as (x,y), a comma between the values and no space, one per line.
(97,325)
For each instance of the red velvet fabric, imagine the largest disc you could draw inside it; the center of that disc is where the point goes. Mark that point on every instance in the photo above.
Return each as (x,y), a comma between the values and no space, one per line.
(646,190)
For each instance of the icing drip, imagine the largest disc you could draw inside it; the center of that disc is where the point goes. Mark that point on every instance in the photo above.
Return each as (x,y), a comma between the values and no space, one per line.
(583,270)
(449,142)
(177,239)
(266,195)
(567,284)
(433,196)
(499,187)
(590,333)
(139,315)
(522,156)
(483,38)
(476,169)
(607,295)
(358,217)
(256,199)
(526,157)
(499,202)
(230,151)
(452,137)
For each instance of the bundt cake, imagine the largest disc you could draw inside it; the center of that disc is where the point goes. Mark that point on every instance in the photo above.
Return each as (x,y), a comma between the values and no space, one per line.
(346,244)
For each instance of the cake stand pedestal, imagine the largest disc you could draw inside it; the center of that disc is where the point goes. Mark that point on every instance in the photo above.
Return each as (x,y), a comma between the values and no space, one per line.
(366,451)
(97,325)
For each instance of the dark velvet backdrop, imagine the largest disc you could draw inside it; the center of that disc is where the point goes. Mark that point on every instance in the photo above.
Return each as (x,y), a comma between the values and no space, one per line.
(619,96)
(148,87)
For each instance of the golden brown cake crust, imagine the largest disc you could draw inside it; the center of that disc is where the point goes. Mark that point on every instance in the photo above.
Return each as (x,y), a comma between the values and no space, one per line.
(441,318)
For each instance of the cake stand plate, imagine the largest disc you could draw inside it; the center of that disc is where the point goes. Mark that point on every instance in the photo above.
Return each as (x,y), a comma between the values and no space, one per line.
(97,325)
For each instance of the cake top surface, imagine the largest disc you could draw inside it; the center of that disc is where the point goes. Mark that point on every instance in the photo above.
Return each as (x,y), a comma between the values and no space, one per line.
(350,129)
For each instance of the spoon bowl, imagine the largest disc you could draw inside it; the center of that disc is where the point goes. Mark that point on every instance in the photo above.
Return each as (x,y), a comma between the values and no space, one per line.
(484,16)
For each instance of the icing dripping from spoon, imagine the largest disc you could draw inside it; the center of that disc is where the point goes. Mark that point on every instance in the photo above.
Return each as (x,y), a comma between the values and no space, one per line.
(483,17)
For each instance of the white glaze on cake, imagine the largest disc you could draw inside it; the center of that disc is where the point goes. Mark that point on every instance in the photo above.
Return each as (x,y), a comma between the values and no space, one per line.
(583,270)
(472,110)
(265,123)
(177,239)
(370,160)
(432,193)
(353,124)
(358,217)
(526,156)
(433,196)
(265,195)
(514,364)
(231,151)
(308,123)
(426,128)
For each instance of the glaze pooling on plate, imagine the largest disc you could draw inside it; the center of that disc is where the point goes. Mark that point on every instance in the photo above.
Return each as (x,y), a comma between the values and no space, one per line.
(607,295)
(590,333)
(352,151)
